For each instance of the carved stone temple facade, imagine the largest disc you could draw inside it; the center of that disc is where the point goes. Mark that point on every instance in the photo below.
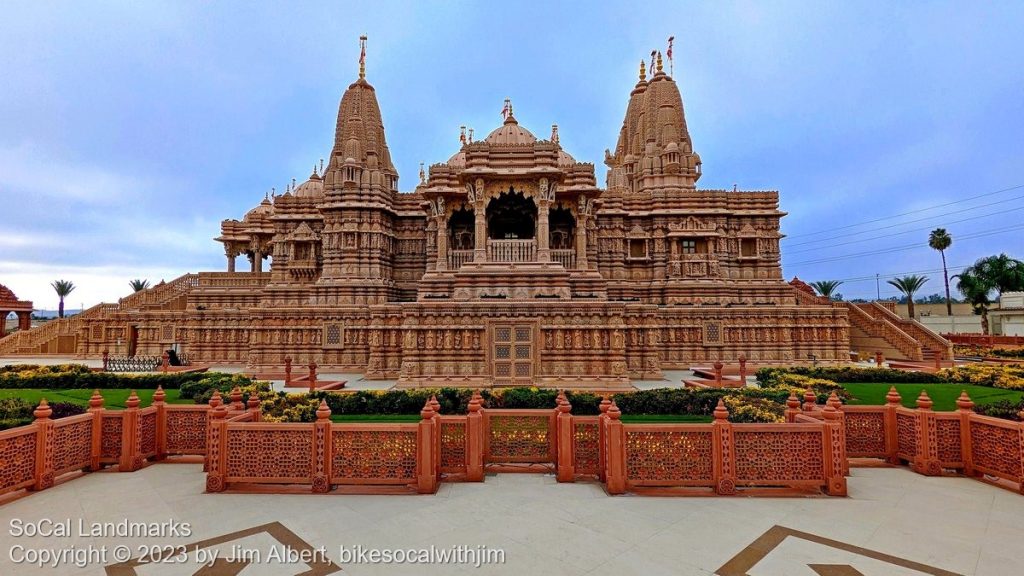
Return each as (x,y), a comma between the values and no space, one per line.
(508,264)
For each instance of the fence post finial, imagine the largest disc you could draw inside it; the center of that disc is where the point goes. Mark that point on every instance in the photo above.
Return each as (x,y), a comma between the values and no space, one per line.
(893,397)
(323,412)
(43,411)
(96,401)
(132,401)
(964,402)
(810,400)
(923,401)
(721,412)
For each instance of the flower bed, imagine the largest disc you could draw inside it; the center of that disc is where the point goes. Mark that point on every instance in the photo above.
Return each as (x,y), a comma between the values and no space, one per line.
(64,376)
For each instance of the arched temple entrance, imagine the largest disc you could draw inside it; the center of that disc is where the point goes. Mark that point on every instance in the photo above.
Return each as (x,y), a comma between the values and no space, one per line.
(563,229)
(461,226)
(511,216)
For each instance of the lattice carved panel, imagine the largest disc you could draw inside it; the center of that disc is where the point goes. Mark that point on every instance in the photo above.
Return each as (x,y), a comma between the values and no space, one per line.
(186,431)
(147,434)
(669,456)
(269,453)
(453,445)
(906,436)
(519,438)
(374,454)
(18,455)
(110,437)
(778,456)
(997,449)
(72,446)
(586,438)
(865,434)
(948,437)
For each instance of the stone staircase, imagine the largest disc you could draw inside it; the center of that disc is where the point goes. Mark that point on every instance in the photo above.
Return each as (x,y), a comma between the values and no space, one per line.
(875,328)
(60,336)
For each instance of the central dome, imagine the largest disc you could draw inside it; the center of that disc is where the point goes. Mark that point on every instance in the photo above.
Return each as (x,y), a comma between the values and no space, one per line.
(510,133)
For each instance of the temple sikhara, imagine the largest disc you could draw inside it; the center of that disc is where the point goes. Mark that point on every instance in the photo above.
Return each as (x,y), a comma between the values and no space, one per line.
(507,264)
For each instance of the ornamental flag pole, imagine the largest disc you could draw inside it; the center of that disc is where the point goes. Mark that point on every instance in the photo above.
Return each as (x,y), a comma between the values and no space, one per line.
(671,65)
(362,56)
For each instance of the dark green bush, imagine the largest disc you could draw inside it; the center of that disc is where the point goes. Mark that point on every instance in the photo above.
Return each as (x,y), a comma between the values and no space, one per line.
(67,376)
(848,374)
(1005,409)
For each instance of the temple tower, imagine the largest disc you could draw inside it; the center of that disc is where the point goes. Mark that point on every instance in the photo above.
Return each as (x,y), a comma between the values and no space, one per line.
(359,187)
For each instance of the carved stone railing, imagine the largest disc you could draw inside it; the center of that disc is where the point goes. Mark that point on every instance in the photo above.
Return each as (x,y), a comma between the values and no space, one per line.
(925,336)
(159,294)
(886,330)
(567,258)
(456,258)
(511,250)
(238,279)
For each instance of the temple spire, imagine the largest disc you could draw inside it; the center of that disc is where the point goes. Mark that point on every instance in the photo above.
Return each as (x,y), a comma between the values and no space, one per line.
(362,57)
(660,71)
(643,71)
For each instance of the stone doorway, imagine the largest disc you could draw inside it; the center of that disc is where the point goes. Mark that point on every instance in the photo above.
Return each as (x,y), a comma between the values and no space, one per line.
(512,349)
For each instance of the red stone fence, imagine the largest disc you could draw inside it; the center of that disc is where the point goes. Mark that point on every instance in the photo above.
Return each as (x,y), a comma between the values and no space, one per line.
(36,455)
(810,452)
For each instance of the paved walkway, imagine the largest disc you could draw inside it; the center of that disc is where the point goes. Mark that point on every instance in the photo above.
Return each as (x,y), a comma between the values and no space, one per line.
(895,522)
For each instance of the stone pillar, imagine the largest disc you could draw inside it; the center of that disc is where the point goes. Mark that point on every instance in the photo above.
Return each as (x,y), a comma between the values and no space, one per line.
(442,243)
(231,262)
(564,431)
(543,234)
(475,439)
(581,241)
(257,262)
(480,233)
(615,463)
(480,222)
(24,320)
(3,322)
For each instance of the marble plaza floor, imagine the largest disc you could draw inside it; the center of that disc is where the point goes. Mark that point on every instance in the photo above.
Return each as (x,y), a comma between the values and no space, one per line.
(894,522)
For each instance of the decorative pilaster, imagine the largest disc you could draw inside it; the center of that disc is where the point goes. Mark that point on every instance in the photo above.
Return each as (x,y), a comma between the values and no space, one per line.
(724,452)
(564,432)
(322,449)
(475,439)
(615,473)
(44,446)
(442,243)
(480,223)
(543,233)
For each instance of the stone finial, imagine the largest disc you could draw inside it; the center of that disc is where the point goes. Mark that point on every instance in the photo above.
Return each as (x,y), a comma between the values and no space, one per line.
(435,404)
(423,175)
(462,138)
(964,402)
(159,395)
(893,397)
(605,404)
(721,412)
(659,62)
(563,402)
(96,401)
(471,135)
(554,133)
(613,411)
(643,71)
(793,402)
(253,402)
(43,411)
(427,412)
(215,400)
(362,57)
(829,412)
(132,401)
(810,399)
(923,401)
(834,401)
(323,412)
(475,401)
(236,396)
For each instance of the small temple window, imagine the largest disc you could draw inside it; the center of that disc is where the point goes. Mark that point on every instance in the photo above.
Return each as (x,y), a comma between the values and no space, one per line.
(748,247)
(637,248)
(689,247)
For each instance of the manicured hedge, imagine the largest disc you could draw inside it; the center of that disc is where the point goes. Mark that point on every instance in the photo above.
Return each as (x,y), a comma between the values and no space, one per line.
(847,374)
(66,376)
(17,412)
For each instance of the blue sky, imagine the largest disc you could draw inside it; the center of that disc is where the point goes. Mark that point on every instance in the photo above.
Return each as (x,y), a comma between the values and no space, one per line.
(129,130)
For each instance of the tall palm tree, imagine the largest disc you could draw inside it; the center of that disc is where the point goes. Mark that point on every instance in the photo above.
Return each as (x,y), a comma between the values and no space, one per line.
(909,285)
(940,240)
(139,285)
(826,287)
(62,288)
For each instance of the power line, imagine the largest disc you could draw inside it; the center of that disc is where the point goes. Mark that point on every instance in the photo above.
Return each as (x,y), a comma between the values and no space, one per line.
(908,213)
(902,248)
(1001,212)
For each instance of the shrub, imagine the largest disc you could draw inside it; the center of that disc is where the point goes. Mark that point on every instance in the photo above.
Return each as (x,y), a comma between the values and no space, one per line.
(66,376)
(17,412)
(1009,377)
(847,374)
(1005,409)
(745,409)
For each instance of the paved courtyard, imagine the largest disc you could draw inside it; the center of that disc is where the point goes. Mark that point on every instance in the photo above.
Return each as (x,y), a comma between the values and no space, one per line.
(894,522)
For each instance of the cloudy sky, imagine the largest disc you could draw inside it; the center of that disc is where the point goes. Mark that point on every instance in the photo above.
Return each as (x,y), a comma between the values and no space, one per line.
(129,130)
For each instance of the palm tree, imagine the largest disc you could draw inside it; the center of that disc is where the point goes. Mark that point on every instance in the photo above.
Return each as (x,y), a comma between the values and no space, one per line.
(63,288)
(826,287)
(909,285)
(975,289)
(139,285)
(940,240)
(992,273)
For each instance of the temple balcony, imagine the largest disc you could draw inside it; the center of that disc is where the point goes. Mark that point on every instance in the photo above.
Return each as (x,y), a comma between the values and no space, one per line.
(512,250)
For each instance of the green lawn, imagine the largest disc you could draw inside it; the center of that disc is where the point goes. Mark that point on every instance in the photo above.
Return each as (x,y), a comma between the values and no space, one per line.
(111,398)
(943,395)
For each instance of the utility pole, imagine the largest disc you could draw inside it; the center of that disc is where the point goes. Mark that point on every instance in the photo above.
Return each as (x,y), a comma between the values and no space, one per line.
(878,291)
